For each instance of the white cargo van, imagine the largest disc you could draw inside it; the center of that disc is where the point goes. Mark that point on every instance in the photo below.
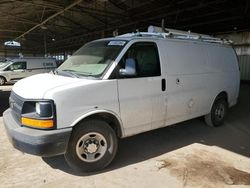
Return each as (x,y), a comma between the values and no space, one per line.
(117,87)
(16,69)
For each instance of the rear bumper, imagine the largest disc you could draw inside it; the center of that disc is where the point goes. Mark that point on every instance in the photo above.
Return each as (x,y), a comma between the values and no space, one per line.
(33,141)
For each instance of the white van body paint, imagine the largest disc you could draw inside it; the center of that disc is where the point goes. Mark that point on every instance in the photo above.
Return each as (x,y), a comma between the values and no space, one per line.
(195,73)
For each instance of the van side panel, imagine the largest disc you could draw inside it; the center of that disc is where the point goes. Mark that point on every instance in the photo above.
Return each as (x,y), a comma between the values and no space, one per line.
(225,75)
(196,73)
(187,74)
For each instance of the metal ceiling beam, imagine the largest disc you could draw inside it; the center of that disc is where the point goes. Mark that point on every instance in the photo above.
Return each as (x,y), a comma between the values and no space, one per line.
(102,12)
(59,7)
(17,21)
(125,23)
(47,5)
(16,31)
(210,22)
(6,36)
(49,18)
(17,18)
(73,22)
(207,16)
(92,15)
(65,27)
(78,38)
(173,10)
(119,5)
(161,15)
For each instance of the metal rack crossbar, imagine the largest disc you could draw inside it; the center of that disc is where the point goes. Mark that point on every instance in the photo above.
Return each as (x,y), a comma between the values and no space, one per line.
(160,32)
(144,34)
(187,35)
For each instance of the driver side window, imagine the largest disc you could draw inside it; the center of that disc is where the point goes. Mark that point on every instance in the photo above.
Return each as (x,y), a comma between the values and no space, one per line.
(146,58)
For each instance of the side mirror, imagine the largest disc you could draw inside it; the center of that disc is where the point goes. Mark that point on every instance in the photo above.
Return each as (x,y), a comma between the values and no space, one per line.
(130,68)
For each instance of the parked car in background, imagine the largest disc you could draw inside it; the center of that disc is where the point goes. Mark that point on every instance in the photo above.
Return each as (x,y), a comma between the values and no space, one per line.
(16,69)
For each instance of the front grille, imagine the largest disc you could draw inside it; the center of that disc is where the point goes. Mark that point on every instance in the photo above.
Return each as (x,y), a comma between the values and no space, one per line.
(16,104)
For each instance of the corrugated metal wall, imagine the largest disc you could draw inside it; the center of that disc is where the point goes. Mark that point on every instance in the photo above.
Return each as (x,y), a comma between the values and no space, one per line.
(242,47)
(244,63)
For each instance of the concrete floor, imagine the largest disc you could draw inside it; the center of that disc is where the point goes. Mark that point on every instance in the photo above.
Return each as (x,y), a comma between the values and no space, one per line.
(189,154)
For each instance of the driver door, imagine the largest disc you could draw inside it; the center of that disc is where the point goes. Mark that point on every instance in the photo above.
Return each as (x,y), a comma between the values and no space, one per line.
(138,95)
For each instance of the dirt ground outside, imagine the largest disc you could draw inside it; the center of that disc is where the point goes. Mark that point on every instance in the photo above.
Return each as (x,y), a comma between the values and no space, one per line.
(189,154)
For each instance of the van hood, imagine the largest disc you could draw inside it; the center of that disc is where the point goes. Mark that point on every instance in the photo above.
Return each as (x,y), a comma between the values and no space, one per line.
(35,87)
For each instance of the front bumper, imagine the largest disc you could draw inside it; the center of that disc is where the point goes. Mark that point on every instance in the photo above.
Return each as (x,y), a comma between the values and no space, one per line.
(33,141)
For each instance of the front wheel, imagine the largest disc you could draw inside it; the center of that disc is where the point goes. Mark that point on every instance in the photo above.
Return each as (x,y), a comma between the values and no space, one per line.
(92,146)
(218,113)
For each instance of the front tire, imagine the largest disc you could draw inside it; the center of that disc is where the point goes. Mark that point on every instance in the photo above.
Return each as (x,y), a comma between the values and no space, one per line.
(218,113)
(92,146)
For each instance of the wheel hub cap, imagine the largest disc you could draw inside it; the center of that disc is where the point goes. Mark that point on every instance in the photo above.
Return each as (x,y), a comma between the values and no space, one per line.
(220,112)
(91,147)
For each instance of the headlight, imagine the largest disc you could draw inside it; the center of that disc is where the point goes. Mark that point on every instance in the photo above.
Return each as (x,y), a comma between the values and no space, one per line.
(38,109)
(39,114)
(44,109)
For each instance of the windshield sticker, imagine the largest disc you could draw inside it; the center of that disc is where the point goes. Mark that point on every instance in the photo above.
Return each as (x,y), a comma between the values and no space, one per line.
(116,43)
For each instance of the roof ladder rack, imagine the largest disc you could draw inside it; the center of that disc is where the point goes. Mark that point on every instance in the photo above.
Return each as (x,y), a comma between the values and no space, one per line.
(187,35)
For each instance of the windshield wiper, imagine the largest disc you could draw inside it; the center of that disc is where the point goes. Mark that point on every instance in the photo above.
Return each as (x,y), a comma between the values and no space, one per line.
(86,74)
(72,73)
(69,73)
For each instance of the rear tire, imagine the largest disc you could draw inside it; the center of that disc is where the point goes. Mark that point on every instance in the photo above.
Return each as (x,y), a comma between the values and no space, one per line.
(2,80)
(218,113)
(92,146)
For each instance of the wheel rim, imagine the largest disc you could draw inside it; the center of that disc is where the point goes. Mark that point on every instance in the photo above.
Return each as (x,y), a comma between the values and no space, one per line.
(91,147)
(220,112)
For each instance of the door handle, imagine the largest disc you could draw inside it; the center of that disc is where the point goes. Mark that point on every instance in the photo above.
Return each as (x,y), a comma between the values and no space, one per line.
(177,81)
(163,84)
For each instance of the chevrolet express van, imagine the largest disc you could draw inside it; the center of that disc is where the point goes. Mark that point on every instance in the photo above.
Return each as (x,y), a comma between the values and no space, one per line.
(118,87)
(16,69)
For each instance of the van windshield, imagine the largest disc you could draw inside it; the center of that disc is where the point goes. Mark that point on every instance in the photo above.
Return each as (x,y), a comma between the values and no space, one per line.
(92,59)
